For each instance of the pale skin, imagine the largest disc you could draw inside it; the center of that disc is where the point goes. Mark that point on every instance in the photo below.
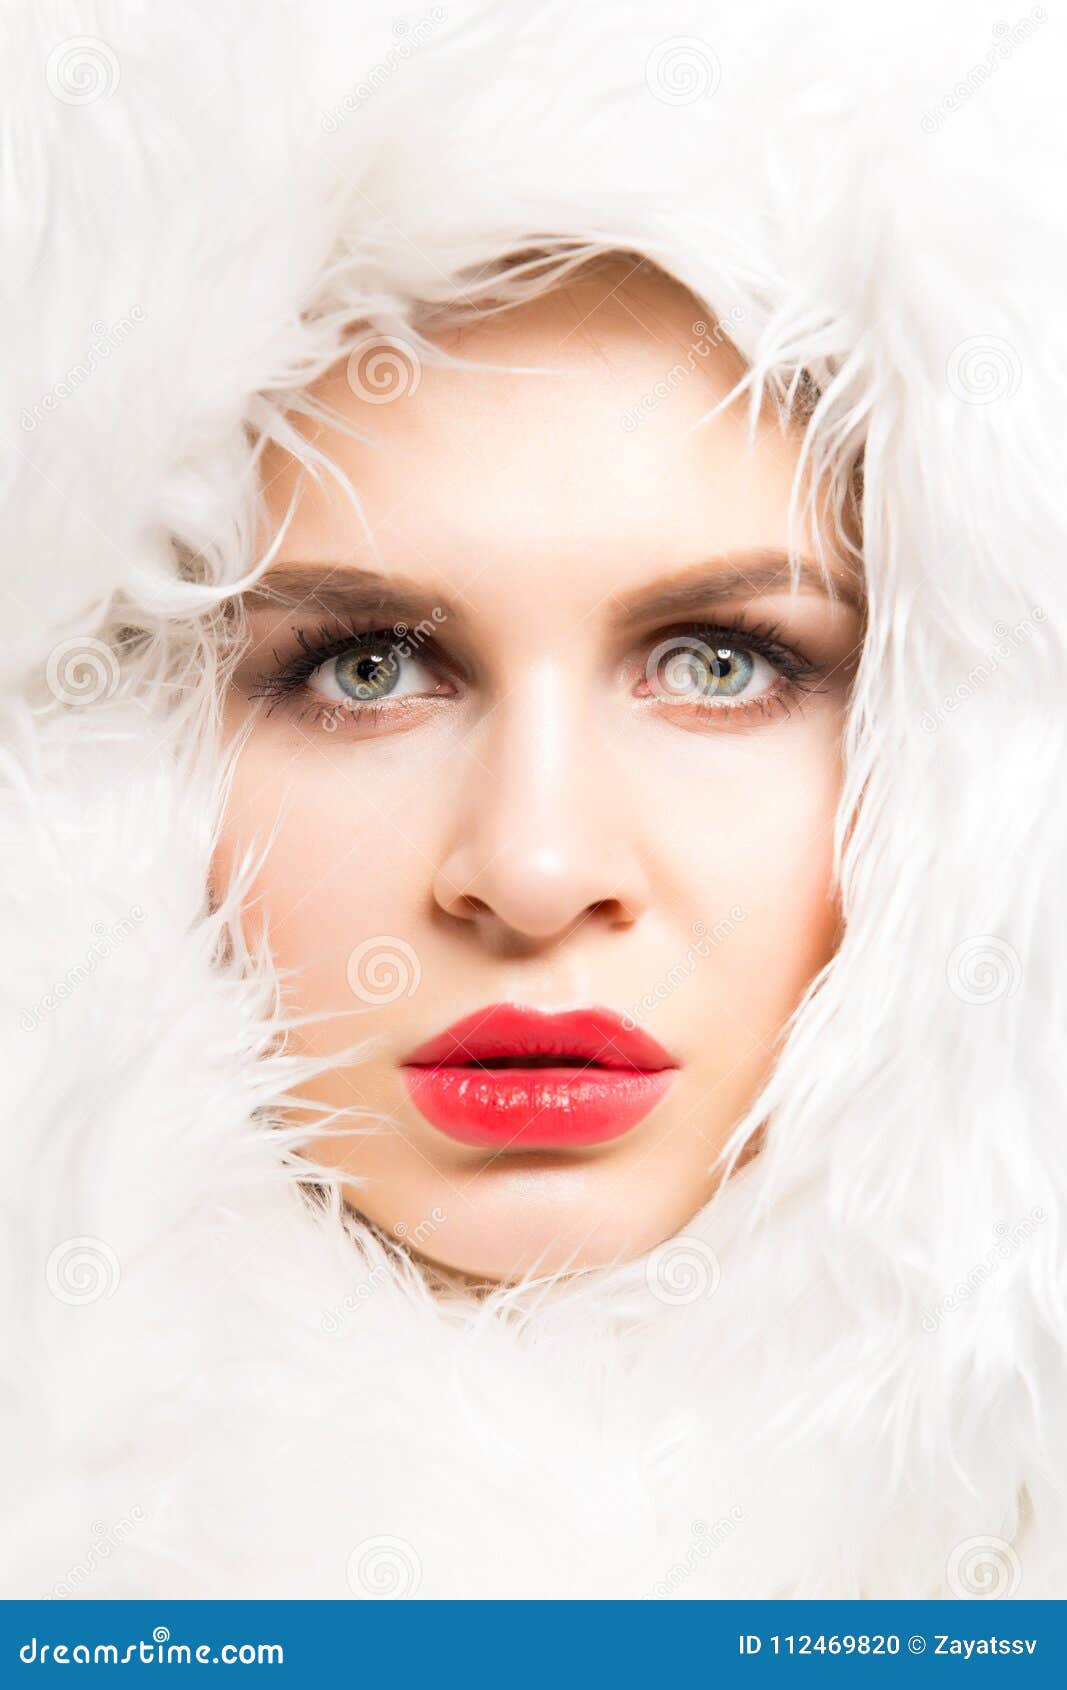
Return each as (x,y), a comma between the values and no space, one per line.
(522,820)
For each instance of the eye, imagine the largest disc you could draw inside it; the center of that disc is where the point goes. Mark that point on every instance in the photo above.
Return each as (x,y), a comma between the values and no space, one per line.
(695,669)
(374,668)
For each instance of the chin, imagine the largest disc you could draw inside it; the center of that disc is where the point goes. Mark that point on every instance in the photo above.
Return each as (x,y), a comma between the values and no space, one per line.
(488,1256)
(540,1219)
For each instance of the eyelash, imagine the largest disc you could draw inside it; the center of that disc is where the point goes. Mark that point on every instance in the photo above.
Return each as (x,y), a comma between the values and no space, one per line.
(284,683)
(326,643)
(763,638)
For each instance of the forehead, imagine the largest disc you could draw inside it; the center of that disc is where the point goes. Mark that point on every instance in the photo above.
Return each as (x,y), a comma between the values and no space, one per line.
(565,445)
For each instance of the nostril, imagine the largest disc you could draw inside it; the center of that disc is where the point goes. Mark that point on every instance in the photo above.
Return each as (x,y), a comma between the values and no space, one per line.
(466,905)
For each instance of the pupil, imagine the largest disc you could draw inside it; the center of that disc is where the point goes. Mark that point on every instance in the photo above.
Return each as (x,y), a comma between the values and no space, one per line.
(728,670)
(367,674)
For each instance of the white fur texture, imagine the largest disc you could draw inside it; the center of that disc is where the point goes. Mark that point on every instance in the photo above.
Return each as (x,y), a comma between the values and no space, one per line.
(872,1400)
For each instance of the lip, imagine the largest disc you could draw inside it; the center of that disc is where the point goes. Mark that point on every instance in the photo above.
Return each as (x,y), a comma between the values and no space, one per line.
(491,1080)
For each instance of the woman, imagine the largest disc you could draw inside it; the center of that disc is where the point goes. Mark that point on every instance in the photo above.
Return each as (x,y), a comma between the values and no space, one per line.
(530,1038)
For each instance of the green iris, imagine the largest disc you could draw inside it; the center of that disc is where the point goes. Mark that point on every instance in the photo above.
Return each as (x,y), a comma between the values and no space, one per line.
(705,671)
(368,672)
(725,671)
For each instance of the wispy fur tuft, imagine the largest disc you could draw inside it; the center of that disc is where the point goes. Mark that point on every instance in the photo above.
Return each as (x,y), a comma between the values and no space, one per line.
(265,1384)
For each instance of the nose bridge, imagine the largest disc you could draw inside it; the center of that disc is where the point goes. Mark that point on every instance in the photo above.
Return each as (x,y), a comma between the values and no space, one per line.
(540,729)
(537,846)
(533,817)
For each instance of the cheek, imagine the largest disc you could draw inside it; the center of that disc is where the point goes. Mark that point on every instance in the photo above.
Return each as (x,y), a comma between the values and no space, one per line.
(751,849)
(735,823)
(341,874)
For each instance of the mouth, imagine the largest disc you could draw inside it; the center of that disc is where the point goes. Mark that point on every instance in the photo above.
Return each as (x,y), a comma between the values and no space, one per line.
(510,1077)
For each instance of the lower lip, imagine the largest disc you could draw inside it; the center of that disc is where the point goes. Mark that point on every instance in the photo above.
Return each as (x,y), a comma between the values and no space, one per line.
(535,1108)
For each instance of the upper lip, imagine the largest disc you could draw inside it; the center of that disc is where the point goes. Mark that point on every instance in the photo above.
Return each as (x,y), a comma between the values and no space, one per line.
(506,1032)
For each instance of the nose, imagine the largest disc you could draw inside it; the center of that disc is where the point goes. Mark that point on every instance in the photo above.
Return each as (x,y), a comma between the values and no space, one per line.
(541,839)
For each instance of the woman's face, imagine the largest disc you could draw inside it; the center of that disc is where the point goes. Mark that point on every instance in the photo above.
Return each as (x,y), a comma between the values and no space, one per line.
(548,752)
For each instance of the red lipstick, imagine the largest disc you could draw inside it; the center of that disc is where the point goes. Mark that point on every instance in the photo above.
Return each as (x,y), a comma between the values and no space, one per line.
(513,1077)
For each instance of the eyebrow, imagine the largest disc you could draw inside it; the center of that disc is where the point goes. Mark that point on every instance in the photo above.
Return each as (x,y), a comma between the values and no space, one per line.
(340,590)
(737,576)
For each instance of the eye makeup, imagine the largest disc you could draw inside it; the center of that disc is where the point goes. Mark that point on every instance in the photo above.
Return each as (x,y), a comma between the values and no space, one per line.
(367,678)
(368,663)
(729,666)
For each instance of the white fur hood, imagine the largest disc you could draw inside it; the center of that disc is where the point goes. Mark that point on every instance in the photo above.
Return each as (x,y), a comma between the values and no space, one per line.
(847,1378)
